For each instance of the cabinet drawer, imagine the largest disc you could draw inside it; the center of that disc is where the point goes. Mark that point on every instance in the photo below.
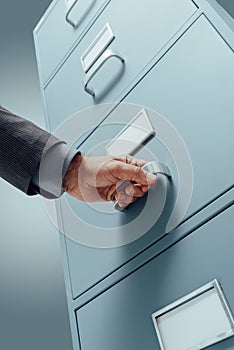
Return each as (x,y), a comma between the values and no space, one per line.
(140,30)
(60,29)
(185,86)
(193,88)
(120,318)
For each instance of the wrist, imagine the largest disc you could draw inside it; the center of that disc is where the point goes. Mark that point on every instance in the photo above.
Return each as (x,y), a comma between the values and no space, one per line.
(70,179)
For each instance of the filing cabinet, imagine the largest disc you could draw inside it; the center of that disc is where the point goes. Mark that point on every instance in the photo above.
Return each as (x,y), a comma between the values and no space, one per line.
(175,58)
(179,77)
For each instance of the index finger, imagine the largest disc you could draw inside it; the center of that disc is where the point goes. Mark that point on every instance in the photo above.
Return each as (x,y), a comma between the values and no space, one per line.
(128,159)
(133,173)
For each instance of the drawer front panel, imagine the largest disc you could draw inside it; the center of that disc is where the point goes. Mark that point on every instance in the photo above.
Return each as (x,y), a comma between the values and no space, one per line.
(120,318)
(185,87)
(64,25)
(193,88)
(141,29)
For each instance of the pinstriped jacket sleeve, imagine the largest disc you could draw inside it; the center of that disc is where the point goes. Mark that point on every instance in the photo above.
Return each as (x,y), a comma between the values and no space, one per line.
(22,145)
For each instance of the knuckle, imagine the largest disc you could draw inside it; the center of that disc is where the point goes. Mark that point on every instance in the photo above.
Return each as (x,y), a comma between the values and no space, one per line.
(138,171)
(128,159)
(118,167)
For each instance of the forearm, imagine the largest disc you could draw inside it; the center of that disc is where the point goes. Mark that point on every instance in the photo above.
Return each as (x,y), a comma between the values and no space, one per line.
(35,161)
(23,146)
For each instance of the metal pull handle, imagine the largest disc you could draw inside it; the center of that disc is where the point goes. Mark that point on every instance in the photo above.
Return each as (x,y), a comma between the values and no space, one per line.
(82,15)
(96,67)
(72,23)
(153,167)
(157,168)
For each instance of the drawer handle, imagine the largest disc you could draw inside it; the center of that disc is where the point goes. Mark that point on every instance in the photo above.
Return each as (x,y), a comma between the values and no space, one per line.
(69,20)
(73,24)
(96,67)
(153,167)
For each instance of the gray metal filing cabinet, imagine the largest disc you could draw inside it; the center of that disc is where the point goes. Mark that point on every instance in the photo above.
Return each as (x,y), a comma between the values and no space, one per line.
(126,58)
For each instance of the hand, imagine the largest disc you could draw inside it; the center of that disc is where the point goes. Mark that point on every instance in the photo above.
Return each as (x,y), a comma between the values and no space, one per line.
(93,179)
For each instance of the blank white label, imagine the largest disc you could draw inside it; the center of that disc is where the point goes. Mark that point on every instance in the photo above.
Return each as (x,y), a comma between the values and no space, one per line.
(195,323)
(97,47)
(133,136)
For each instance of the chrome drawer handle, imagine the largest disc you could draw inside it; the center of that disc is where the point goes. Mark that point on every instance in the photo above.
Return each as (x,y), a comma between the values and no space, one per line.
(153,167)
(157,168)
(96,67)
(73,24)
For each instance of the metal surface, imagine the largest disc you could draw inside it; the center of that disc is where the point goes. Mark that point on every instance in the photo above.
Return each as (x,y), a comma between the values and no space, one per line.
(182,269)
(126,307)
(108,54)
(192,61)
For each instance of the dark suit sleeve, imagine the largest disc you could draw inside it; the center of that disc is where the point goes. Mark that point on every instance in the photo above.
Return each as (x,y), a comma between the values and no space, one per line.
(22,145)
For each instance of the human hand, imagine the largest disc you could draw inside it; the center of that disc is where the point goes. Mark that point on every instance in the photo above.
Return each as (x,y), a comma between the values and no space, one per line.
(93,179)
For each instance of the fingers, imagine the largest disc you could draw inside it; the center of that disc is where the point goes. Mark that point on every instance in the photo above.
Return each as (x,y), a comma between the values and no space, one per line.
(128,194)
(130,160)
(123,199)
(134,191)
(130,180)
(133,173)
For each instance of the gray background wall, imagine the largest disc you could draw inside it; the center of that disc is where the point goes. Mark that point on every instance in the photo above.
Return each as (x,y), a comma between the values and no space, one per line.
(33,312)
(228,5)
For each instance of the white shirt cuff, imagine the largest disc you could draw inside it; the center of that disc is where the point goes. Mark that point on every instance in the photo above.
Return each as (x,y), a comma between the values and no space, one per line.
(48,179)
